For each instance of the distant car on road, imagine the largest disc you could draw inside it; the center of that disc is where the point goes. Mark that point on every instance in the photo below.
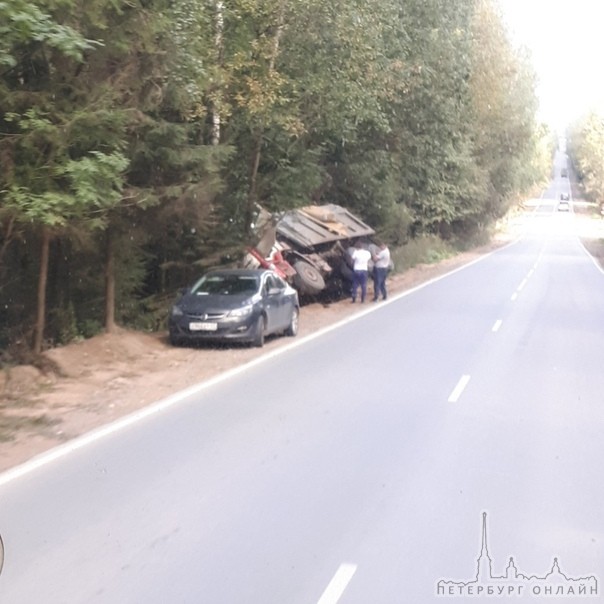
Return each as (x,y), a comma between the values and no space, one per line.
(564,173)
(235,305)
(563,205)
(564,196)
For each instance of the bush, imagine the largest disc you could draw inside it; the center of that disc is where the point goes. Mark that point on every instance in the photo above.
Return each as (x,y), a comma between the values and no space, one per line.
(427,249)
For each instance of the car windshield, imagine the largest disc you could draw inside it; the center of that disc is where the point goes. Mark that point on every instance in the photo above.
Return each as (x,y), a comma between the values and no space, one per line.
(226,285)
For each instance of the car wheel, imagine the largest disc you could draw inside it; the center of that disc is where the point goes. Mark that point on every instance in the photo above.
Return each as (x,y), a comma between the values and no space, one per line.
(307,278)
(259,330)
(175,340)
(292,329)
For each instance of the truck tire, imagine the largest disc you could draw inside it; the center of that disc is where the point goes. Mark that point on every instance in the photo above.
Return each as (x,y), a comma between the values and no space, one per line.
(308,279)
(346,272)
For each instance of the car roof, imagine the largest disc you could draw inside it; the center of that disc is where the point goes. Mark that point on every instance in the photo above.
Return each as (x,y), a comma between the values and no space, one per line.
(239,272)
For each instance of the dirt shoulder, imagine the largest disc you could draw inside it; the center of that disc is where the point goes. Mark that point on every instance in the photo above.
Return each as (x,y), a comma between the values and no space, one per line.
(99,380)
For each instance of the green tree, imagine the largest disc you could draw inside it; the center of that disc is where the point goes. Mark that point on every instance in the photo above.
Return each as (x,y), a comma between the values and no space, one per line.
(141,134)
(586,147)
(23,24)
(33,47)
(504,104)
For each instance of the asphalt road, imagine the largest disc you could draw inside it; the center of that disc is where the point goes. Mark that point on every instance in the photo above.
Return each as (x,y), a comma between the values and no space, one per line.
(354,467)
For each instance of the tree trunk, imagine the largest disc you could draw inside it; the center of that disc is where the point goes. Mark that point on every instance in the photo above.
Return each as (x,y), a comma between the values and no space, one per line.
(255,164)
(252,194)
(109,282)
(8,234)
(41,302)
(216,102)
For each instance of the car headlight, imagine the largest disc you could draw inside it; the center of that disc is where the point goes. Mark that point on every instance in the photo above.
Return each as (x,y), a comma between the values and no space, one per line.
(244,311)
(177,311)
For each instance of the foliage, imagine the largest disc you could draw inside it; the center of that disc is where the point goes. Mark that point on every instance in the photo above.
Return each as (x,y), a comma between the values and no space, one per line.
(586,147)
(141,134)
(426,249)
(506,133)
(23,23)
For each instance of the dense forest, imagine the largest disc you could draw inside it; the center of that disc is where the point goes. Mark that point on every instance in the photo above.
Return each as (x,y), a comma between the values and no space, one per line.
(585,147)
(138,138)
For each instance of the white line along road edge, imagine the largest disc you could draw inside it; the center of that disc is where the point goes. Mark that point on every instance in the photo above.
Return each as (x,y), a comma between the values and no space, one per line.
(180,397)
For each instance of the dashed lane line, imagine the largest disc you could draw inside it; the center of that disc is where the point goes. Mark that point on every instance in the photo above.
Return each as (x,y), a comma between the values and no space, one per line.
(458,390)
(180,397)
(333,592)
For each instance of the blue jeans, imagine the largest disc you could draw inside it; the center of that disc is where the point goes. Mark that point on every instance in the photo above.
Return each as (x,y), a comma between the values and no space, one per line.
(379,282)
(360,278)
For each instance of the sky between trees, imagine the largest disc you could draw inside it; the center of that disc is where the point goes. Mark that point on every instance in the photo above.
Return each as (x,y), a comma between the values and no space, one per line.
(566,42)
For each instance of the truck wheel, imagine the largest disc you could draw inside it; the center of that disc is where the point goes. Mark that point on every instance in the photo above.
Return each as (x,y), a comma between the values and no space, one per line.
(259,330)
(292,328)
(307,278)
(346,272)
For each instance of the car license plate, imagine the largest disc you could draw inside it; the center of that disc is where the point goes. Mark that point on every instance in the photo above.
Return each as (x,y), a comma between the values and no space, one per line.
(199,326)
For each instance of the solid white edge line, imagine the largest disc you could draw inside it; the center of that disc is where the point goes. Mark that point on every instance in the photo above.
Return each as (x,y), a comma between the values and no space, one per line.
(457,391)
(178,397)
(595,262)
(333,592)
(497,325)
(521,286)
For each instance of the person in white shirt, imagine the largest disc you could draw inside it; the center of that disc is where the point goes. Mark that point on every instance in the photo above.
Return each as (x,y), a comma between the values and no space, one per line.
(381,265)
(360,258)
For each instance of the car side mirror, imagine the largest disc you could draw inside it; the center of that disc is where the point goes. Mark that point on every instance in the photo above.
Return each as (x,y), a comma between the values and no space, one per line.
(273,291)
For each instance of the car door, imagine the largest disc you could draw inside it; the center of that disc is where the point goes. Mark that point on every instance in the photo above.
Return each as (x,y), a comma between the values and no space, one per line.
(272,304)
(285,300)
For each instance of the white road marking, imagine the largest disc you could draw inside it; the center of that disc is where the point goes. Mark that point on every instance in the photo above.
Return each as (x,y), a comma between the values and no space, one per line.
(181,397)
(514,296)
(595,262)
(521,286)
(497,325)
(463,382)
(333,592)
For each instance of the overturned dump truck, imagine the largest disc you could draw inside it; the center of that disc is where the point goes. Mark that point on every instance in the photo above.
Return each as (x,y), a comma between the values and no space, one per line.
(309,246)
